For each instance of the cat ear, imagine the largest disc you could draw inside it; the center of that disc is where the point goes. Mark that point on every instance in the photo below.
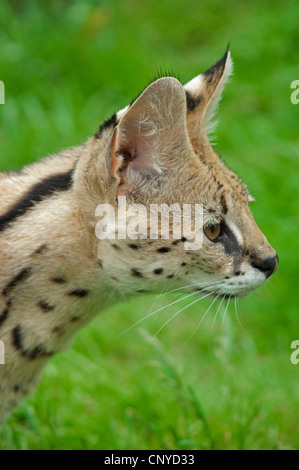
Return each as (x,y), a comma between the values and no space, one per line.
(151,133)
(203,94)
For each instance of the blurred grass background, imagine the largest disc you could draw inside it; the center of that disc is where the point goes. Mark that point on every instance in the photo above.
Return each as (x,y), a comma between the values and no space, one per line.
(67,66)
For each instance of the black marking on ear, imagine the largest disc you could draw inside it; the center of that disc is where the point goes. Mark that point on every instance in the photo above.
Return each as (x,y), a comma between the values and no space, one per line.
(158,271)
(38,192)
(37,351)
(111,122)
(223,203)
(19,277)
(216,71)
(78,292)
(192,102)
(45,306)
(136,272)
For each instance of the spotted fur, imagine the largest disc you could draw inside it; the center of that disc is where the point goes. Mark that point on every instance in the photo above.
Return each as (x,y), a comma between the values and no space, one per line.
(55,275)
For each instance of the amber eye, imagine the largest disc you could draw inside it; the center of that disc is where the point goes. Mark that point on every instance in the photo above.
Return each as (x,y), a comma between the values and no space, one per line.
(212,231)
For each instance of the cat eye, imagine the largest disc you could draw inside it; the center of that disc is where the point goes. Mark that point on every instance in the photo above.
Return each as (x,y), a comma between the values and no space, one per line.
(212,231)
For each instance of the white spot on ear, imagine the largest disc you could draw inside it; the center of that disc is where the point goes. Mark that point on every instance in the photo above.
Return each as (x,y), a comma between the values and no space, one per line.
(211,92)
(195,85)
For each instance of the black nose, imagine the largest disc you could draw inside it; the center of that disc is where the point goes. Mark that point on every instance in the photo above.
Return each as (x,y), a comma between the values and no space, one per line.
(267,265)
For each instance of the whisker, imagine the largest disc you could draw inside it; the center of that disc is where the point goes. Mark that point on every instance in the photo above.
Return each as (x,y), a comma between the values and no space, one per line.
(184,308)
(162,294)
(168,305)
(201,321)
(157,298)
(178,298)
(236,310)
(215,318)
(224,315)
(201,284)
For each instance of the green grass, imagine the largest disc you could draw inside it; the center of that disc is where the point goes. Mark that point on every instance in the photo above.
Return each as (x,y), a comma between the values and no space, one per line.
(67,66)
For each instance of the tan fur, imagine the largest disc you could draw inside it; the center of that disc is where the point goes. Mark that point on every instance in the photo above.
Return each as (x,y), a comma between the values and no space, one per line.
(157,153)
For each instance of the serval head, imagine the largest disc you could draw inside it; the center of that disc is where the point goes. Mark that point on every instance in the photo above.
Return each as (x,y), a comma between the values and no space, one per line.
(157,151)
